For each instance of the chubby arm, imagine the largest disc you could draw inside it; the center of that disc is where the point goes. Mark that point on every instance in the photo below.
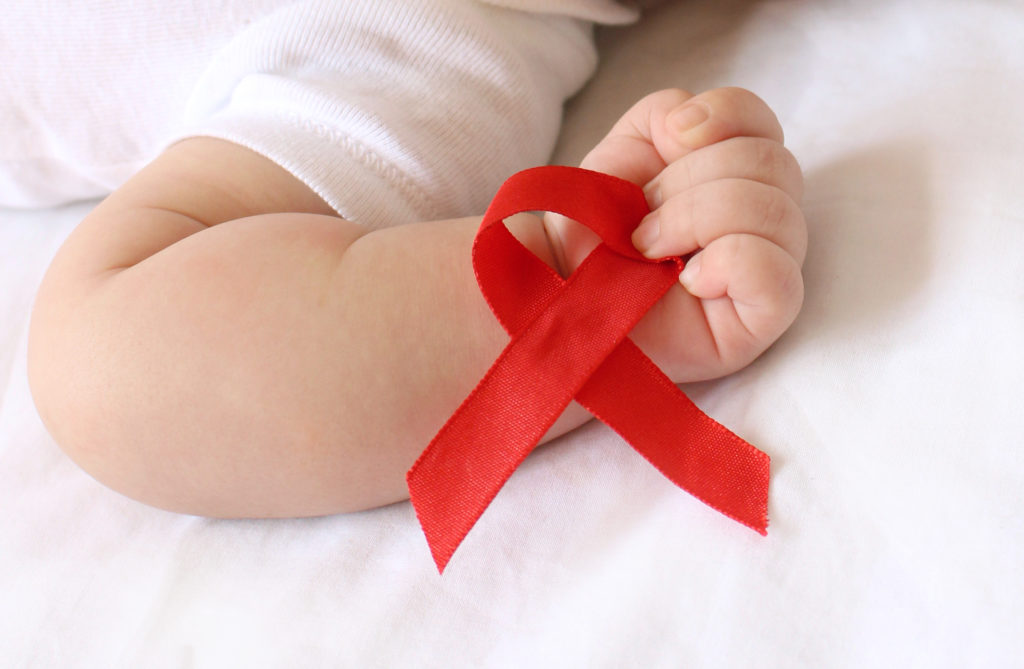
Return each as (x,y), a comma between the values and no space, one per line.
(213,340)
(229,347)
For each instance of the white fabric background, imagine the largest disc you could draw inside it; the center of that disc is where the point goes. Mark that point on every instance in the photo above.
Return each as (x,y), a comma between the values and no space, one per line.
(891,411)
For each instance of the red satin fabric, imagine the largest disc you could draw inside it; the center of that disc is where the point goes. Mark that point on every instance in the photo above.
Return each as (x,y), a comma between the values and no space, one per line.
(569,340)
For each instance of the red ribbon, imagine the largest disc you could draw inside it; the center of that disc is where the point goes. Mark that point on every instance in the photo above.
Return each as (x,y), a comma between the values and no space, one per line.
(569,341)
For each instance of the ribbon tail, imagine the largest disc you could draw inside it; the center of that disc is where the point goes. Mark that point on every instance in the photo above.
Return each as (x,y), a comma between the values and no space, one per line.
(635,398)
(448,512)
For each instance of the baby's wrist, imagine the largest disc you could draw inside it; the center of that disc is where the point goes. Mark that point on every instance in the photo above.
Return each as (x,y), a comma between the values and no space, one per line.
(532,233)
(570,242)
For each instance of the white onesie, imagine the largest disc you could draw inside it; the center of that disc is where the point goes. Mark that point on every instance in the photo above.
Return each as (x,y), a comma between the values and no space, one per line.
(391,110)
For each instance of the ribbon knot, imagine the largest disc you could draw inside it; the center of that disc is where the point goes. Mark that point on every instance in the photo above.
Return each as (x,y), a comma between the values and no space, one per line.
(569,340)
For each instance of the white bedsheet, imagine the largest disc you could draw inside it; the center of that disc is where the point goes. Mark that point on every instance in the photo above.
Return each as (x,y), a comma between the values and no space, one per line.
(891,412)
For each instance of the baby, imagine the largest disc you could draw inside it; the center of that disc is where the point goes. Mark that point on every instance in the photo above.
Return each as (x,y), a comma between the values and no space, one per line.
(214,339)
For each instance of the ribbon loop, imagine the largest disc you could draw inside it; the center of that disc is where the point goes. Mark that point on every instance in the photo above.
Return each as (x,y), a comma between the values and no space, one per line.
(569,340)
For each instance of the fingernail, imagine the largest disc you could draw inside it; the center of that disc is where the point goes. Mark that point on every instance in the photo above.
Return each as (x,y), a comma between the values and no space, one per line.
(689,274)
(686,118)
(653,195)
(646,234)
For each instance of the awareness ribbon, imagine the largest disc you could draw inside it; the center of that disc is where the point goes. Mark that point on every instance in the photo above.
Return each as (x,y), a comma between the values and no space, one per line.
(569,340)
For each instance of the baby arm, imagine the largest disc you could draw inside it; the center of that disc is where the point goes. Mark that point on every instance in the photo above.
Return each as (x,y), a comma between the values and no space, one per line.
(212,340)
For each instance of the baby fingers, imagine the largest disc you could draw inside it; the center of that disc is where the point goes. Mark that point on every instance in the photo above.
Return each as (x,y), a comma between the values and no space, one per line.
(695,217)
(751,291)
(754,158)
(719,114)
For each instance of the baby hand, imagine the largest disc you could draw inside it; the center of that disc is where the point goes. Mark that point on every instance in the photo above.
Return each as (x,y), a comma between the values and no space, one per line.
(724,193)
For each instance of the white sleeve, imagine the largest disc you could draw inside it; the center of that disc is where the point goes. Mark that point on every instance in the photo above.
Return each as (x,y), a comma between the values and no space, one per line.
(395,111)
